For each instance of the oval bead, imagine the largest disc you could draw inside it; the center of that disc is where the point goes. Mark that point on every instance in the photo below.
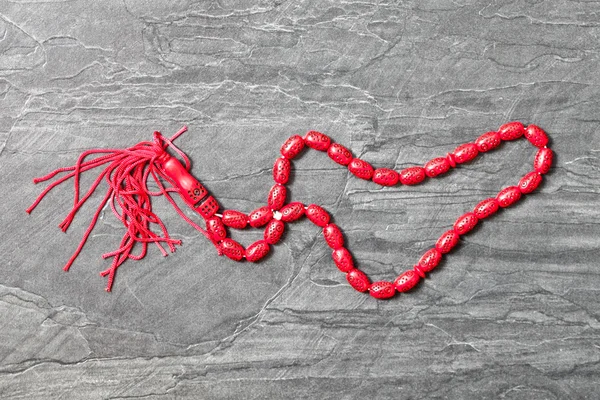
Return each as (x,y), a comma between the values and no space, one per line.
(361,168)
(530,182)
(511,130)
(292,146)
(274,231)
(508,196)
(382,290)
(406,281)
(281,170)
(486,208)
(257,250)
(543,160)
(488,141)
(260,216)
(343,259)
(536,136)
(333,236)
(277,196)
(232,249)
(234,219)
(465,153)
(385,177)
(436,167)
(358,280)
(430,260)
(215,227)
(292,211)
(465,223)
(339,154)
(412,175)
(317,140)
(317,215)
(447,241)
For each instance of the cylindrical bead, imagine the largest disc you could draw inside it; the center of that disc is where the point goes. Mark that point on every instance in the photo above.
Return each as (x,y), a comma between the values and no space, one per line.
(447,241)
(465,223)
(530,182)
(406,281)
(382,290)
(292,211)
(281,170)
(317,140)
(343,259)
(292,146)
(430,259)
(536,136)
(277,196)
(358,280)
(232,249)
(437,166)
(361,168)
(543,160)
(273,231)
(317,215)
(485,208)
(235,219)
(488,141)
(215,227)
(260,216)
(508,196)
(333,236)
(385,177)
(257,250)
(412,175)
(465,153)
(511,130)
(339,154)
(191,189)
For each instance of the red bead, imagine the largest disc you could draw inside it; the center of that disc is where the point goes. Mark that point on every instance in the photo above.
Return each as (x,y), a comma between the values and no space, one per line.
(447,241)
(257,250)
(343,259)
(451,160)
(292,147)
(465,223)
(488,141)
(333,236)
(530,182)
(406,281)
(273,231)
(511,131)
(232,249)
(465,153)
(358,280)
(317,215)
(436,167)
(536,136)
(207,207)
(543,160)
(412,175)
(317,140)
(486,208)
(215,227)
(361,168)
(419,271)
(281,170)
(235,219)
(291,212)
(508,196)
(430,260)
(339,154)
(260,216)
(277,196)
(189,187)
(385,177)
(382,290)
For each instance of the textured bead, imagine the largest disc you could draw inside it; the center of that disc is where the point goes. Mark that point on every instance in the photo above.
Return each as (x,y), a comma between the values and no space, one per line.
(436,167)
(281,170)
(536,136)
(215,227)
(447,241)
(382,290)
(451,160)
(234,219)
(317,215)
(358,280)
(232,249)
(465,223)
(333,236)
(273,231)
(260,216)
(543,160)
(412,175)
(465,153)
(361,168)
(207,207)
(292,147)
(257,250)
(511,130)
(339,154)
(430,259)
(406,281)
(530,182)
(292,211)
(419,270)
(317,140)
(277,196)
(485,208)
(508,196)
(488,141)
(385,177)
(343,259)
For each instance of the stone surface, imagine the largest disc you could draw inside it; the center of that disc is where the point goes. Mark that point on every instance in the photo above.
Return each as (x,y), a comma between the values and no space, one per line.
(512,313)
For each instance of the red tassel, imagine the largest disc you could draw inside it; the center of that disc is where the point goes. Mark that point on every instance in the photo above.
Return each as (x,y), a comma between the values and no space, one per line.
(127,176)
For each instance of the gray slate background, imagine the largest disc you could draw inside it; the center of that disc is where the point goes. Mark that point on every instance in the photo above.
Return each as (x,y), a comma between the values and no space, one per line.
(513,313)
